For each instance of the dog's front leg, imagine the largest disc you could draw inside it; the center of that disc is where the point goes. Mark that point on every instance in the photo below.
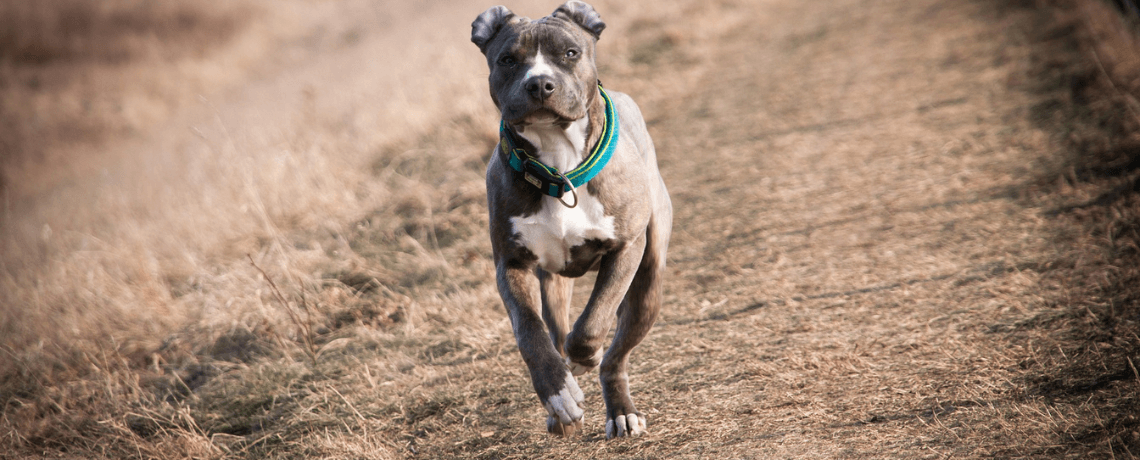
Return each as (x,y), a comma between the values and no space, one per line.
(553,382)
(615,274)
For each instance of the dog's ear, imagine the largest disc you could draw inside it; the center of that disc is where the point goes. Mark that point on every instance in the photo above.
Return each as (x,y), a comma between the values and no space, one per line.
(583,14)
(488,24)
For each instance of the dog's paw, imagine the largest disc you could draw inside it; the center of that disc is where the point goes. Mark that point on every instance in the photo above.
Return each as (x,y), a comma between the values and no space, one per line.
(632,425)
(583,366)
(555,426)
(564,409)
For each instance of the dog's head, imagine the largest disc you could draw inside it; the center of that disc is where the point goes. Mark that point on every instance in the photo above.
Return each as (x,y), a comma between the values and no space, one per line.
(542,71)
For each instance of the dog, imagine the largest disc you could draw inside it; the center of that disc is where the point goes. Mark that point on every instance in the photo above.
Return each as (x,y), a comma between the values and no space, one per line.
(573,186)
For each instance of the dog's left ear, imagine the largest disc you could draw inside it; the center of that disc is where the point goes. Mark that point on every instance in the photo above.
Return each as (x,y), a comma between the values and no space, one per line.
(583,14)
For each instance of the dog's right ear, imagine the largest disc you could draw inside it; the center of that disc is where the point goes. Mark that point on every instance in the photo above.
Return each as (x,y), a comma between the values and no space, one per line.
(488,24)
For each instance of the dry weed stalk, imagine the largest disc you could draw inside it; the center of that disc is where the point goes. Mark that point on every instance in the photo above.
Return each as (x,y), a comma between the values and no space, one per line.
(304,326)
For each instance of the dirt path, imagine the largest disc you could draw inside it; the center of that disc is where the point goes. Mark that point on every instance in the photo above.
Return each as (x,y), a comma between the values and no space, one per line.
(857,248)
(863,263)
(849,195)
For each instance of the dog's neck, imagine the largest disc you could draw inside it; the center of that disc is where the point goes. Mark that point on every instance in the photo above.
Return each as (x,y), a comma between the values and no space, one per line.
(565,145)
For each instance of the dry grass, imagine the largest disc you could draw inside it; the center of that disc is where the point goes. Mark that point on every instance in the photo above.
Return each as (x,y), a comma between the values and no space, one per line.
(77,73)
(1092,101)
(904,229)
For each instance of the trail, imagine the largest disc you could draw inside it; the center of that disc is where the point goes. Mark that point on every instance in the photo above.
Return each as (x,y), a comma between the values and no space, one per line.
(848,187)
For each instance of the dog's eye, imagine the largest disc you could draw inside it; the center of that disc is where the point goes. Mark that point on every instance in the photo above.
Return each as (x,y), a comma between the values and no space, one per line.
(571,53)
(507,61)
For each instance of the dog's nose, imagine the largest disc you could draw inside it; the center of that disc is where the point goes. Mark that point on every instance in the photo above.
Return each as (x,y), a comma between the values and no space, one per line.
(540,87)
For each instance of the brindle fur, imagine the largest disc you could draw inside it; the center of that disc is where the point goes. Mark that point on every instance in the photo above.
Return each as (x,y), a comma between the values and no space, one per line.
(630,265)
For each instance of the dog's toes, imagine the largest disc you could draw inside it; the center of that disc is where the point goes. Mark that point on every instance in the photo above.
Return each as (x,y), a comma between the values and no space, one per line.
(563,408)
(577,394)
(579,368)
(565,416)
(555,426)
(632,425)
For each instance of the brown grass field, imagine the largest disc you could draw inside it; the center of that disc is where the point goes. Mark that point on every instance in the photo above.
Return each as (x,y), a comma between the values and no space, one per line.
(904,229)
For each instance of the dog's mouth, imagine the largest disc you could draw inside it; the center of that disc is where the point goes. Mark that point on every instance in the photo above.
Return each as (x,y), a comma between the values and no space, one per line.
(543,116)
(558,110)
(540,116)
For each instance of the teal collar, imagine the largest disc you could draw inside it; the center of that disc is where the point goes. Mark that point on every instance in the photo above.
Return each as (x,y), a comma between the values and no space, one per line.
(550,180)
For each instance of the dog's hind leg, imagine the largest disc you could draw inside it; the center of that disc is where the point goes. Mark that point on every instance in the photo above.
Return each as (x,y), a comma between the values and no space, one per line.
(636,316)
(556,292)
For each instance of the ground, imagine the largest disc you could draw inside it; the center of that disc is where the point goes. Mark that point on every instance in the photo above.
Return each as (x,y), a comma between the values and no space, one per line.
(902,230)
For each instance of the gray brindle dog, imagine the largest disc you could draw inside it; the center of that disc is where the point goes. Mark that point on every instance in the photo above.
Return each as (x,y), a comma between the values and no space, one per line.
(573,186)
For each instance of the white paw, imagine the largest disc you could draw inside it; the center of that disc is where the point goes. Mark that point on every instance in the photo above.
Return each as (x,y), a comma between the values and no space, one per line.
(632,425)
(564,405)
(578,369)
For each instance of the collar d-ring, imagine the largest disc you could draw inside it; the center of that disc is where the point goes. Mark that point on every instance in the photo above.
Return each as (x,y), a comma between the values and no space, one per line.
(573,191)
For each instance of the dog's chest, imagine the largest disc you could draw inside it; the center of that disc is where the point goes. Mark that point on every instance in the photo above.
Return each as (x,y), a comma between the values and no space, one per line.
(556,234)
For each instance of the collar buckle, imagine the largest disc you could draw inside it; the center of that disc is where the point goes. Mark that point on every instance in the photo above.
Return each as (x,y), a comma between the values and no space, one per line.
(539,175)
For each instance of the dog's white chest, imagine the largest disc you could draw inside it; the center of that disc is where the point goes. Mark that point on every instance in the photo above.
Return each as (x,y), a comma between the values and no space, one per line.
(555,229)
